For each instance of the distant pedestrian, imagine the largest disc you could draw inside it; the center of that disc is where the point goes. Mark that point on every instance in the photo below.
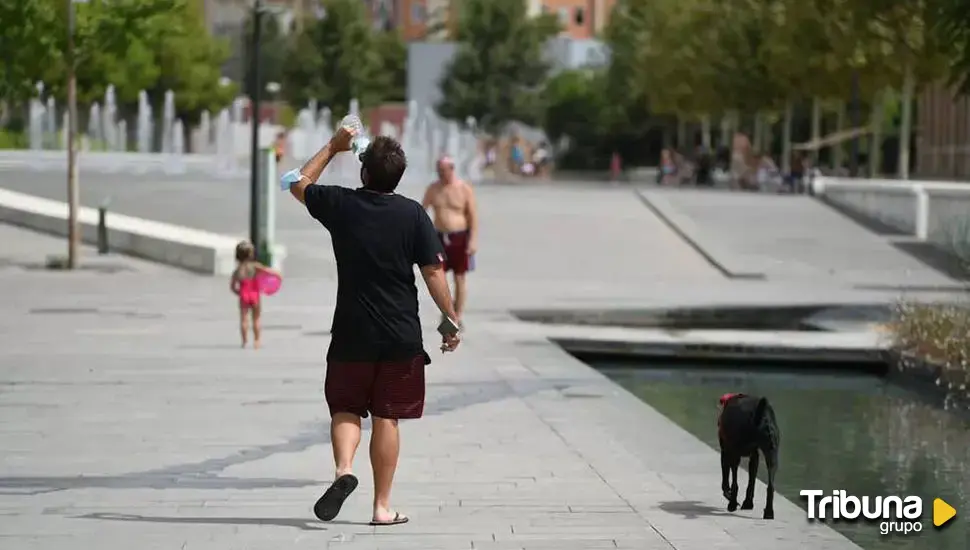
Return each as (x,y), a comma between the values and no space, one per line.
(245,285)
(668,168)
(376,360)
(542,158)
(455,213)
(279,147)
(517,158)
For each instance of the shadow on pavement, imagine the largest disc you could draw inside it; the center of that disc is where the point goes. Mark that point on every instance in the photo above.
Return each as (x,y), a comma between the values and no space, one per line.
(692,509)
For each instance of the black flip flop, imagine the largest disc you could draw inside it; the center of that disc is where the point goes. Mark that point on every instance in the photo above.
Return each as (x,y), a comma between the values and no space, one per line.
(398,520)
(328,506)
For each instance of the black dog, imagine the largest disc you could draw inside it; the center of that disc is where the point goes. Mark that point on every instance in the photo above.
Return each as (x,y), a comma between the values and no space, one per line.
(745,425)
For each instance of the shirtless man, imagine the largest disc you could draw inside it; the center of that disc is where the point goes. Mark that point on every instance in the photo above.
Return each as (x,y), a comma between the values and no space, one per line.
(456,219)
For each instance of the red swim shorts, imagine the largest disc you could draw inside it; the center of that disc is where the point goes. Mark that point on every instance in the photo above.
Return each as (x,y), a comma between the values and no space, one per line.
(456,251)
(386,389)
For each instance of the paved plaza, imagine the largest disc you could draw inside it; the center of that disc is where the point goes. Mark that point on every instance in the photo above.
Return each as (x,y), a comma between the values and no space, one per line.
(132,419)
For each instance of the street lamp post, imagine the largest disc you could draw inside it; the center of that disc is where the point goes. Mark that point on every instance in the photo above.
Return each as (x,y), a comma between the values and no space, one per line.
(73,193)
(255,235)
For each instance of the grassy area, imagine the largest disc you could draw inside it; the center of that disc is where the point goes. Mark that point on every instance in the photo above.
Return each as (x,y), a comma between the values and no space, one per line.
(938,334)
(13,140)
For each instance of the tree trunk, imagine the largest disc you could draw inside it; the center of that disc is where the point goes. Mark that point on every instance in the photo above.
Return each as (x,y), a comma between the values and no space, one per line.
(906,122)
(875,139)
(838,150)
(706,131)
(726,131)
(816,127)
(757,141)
(786,138)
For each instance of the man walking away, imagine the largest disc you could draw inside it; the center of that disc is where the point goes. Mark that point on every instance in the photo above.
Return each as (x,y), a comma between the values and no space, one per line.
(376,360)
(456,219)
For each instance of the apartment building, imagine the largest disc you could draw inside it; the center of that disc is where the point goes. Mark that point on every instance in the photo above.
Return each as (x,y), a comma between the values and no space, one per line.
(580,19)
(432,20)
(416,19)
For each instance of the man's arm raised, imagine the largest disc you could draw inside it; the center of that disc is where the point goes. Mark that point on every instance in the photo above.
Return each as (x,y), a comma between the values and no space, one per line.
(310,173)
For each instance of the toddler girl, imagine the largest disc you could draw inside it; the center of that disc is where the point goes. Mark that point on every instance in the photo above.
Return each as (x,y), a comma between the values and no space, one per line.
(245,285)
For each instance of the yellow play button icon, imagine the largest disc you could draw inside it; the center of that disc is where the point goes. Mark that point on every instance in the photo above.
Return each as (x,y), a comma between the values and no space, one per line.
(942,512)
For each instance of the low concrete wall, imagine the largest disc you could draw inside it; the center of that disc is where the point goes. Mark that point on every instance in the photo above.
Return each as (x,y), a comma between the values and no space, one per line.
(191,249)
(935,212)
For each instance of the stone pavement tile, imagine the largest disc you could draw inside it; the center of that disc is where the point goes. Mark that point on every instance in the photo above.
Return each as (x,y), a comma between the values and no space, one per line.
(552,544)
(404,542)
(144,541)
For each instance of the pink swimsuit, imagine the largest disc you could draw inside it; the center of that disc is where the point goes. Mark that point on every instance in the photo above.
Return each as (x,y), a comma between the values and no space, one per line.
(249,292)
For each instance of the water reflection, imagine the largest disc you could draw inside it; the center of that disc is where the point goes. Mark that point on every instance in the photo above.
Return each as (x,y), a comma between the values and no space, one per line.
(839,431)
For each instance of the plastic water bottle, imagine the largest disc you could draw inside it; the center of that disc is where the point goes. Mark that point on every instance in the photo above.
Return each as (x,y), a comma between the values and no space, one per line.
(361,141)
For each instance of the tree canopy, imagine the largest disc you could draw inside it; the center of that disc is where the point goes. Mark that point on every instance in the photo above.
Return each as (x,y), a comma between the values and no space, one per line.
(152,45)
(704,56)
(339,57)
(498,70)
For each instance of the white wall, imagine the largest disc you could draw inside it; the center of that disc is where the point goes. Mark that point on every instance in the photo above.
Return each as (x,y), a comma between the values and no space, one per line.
(935,212)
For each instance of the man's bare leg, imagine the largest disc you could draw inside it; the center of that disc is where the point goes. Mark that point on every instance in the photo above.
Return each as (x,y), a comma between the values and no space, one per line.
(461,290)
(385,447)
(344,438)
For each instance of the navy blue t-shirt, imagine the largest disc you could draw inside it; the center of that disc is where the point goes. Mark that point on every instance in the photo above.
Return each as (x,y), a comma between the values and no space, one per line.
(377,239)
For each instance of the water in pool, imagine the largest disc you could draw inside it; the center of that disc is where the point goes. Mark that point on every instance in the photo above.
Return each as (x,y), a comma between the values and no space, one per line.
(839,431)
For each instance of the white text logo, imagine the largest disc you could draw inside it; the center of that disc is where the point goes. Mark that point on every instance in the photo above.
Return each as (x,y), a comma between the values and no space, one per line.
(894,514)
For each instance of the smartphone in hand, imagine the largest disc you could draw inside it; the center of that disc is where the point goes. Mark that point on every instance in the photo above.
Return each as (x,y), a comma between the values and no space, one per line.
(447,327)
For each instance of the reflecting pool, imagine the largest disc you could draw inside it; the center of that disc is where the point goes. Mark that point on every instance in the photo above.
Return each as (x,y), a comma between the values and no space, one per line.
(839,431)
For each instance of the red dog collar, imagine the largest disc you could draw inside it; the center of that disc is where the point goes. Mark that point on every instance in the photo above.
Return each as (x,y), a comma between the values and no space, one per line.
(729,396)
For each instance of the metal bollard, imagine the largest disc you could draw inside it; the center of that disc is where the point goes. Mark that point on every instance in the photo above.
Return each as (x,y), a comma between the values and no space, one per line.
(102,229)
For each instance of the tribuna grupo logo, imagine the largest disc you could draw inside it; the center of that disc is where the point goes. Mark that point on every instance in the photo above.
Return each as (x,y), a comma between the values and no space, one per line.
(895,514)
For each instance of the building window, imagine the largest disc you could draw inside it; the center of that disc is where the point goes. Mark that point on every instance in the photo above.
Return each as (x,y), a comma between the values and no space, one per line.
(579,17)
(418,13)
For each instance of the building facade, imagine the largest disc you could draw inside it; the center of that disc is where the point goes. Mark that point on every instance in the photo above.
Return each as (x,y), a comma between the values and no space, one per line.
(435,20)
(942,134)
(580,19)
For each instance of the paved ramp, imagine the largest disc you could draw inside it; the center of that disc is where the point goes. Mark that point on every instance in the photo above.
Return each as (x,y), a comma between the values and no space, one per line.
(784,237)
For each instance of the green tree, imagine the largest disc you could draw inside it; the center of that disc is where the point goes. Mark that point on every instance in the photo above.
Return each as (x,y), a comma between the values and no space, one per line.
(152,45)
(107,43)
(950,22)
(394,65)
(27,44)
(335,59)
(189,62)
(112,42)
(575,115)
(498,71)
